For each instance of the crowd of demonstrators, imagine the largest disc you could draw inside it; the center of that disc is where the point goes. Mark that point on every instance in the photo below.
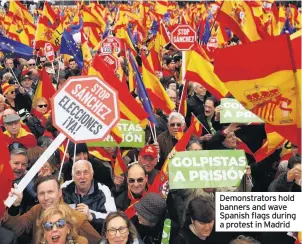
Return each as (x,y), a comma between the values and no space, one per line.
(88,202)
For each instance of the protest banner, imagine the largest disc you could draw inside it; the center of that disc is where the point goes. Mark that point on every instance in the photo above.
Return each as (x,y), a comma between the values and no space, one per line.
(85,109)
(233,112)
(133,136)
(206,169)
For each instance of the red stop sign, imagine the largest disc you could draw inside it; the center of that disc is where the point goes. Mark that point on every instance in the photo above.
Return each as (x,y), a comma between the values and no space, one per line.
(49,52)
(85,108)
(183,37)
(212,43)
(110,45)
(111,61)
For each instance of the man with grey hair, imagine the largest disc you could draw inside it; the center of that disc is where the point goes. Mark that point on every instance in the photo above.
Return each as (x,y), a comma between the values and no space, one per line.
(19,162)
(88,196)
(168,139)
(195,104)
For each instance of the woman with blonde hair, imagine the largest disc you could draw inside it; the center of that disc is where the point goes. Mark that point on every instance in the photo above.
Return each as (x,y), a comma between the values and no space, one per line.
(37,120)
(57,225)
(119,229)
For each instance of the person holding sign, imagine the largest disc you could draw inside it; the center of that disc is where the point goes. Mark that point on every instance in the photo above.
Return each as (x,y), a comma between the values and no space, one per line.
(49,195)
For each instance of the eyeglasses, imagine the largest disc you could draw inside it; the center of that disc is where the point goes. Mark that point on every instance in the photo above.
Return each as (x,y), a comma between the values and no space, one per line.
(122,230)
(12,92)
(177,124)
(31,64)
(42,61)
(48,226)
(42,105)
(139,180)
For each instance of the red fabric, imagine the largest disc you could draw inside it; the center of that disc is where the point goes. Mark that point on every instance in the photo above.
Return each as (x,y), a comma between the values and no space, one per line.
(6,173)
(28,141)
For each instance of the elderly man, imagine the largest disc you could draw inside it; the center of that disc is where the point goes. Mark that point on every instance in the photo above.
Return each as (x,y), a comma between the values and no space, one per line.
(196,102)
(137,187)
(168,139)
(27,84)
(147,158)
(9,67)
(49,195)
(15,133)
(87,196)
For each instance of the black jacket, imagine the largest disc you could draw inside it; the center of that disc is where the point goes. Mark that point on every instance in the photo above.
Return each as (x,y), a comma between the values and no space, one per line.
(195,106)
(35,126)
(69,72)
(100,202)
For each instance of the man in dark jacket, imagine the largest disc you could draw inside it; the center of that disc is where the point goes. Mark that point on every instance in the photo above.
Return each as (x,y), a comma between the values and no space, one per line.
(9,67)
(137,186)
(87,196)
(195,104)
(73,69)
(168,139)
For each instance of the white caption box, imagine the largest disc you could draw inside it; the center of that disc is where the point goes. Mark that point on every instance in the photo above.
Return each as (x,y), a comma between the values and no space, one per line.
(259,211)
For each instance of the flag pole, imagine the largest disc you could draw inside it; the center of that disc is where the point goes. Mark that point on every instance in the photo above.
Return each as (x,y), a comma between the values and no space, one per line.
(60,172)
(183,72)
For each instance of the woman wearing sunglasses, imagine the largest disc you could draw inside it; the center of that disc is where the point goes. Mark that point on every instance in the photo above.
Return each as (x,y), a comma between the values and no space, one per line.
(38,117)
(118,229)
(57,226)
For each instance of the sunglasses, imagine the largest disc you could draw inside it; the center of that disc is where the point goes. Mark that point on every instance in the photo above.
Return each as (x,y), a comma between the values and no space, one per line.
(12,92)
(42,61)
(139,180)
(177,124)
(31,64)
(42,105)
(48,226)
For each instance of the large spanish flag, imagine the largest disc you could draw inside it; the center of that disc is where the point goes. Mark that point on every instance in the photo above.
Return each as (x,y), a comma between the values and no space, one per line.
(201,71)
(130,109)
(260,75)
(155,90)
(238,16)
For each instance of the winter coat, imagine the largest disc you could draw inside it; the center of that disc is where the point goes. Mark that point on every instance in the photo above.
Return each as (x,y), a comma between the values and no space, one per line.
(100,202)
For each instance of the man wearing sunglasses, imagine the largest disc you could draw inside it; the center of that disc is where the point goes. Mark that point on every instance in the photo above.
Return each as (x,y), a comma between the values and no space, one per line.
(88,196)
(49,195)
(137,186)
(168,139)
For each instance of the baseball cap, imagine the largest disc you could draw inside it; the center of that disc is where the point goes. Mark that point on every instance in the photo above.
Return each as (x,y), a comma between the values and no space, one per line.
(10,118)
(25,77)
(149,150)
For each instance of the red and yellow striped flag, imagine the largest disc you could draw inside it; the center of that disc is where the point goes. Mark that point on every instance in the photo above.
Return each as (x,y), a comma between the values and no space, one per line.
(264,81)
(238,17)
(119,166)
(201,71)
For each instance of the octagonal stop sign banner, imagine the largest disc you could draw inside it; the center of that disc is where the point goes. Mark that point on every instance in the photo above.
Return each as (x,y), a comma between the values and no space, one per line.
(85,109)
(183,37)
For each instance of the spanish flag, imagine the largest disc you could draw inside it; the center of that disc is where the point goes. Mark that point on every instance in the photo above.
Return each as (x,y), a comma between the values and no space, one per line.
(44,87)
(119,165)
(238,17)
(130,109)
(264,81)
(155,90)
(201,71)
(161,180)
(6,174)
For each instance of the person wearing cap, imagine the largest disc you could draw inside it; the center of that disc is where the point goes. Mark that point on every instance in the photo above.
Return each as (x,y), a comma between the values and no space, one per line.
(147,158)
(136,188)
(15,133)
(151,212)
(16,97)
(27,83)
